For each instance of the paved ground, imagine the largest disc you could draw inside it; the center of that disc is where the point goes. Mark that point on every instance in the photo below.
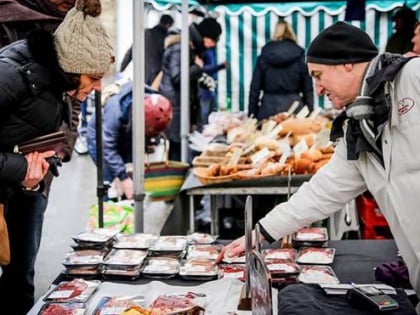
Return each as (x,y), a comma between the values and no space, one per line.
(73,192)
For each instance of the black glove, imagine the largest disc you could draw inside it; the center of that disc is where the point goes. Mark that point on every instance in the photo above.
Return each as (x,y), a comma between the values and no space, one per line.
(207,82)
(54,162)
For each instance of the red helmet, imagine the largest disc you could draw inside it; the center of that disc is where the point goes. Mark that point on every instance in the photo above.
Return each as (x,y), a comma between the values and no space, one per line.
(158,114)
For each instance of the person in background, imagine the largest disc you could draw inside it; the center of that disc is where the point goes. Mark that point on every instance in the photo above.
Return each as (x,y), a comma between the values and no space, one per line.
(400,41)
(59,68)
(208,96)
(378,151)
(118,129)
(280,75)
(202,37)
(154,46)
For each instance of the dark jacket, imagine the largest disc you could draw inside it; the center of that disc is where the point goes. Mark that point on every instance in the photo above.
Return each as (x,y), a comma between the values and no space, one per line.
(170,86)
(31,100)
(282,75)
(153,52)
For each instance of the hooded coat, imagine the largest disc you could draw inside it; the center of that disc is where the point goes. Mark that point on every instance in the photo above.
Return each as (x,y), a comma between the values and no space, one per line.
(282,76)
(170,86)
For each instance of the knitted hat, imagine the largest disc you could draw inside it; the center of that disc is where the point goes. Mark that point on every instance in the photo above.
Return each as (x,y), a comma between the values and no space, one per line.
(81,41)
(341,43)
(209,27)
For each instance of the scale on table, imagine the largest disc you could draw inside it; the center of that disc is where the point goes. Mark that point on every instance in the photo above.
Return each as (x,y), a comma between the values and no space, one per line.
(256,292)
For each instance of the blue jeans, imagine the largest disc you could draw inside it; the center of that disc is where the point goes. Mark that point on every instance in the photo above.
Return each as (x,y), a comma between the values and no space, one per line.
(25,217)
(207,105)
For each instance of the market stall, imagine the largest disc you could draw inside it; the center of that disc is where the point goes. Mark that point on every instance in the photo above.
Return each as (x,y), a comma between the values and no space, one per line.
(221,295)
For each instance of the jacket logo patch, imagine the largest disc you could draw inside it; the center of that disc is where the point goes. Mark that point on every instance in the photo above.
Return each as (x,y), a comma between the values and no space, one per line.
(405,105)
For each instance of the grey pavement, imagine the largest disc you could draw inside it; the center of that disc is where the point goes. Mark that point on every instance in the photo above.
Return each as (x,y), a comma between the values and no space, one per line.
(72,193)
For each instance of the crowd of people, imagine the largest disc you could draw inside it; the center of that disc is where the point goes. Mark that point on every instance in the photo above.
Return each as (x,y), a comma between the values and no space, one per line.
(64,52)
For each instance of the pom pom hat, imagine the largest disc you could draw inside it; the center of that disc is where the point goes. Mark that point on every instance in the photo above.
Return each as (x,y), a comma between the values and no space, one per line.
(210,28)
(341,43)
(81,42)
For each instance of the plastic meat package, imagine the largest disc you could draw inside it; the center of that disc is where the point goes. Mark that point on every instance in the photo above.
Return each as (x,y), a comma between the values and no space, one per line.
(204,251)
(135,241)
(315,255)
(317,274)
(77,290)
(279,253)
(180,304)
(200,238)
(63,309)
(199,269)
(115,305)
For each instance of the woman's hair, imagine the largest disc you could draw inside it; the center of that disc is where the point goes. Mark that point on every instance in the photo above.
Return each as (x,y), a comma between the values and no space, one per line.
(284,30)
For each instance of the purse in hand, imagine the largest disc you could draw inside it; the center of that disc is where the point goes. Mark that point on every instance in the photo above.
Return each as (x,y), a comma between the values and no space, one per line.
(4,239)
(53,141)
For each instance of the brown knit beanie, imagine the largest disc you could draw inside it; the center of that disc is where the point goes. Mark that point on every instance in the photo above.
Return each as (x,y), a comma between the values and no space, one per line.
(81,41)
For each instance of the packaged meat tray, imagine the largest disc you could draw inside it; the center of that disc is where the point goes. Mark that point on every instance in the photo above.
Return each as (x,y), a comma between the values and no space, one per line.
(63,309)
(310,237)
(232,271)
(86,258)
(178,304)
(311,234)
(204,251)
(124,258)
(121,274)
(83,272)
(161,267)
(315,256)
(115,305)
(200,238)
(95,236)
(234,260)
(135,241)
(77,290)
(317,274)
(279,253)
(169,245)
(282,267)
(199,269)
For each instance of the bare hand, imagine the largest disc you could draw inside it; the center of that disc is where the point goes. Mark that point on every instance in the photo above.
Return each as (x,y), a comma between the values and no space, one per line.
(128,187)
(199,62)
(37,168)
(237,247)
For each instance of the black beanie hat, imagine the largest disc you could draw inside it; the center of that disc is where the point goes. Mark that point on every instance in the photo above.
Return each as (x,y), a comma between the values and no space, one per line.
(341,43)
(209,27)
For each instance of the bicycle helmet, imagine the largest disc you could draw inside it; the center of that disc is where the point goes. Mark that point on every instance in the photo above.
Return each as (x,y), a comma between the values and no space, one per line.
(158,114)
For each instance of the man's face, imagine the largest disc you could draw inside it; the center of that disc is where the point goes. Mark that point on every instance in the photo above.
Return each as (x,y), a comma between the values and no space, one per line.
(337,82)
(416,40)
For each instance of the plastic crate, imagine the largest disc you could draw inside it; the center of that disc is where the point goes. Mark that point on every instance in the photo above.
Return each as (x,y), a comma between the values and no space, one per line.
(374,224)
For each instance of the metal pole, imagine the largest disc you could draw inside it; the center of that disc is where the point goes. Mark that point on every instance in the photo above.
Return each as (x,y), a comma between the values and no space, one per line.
(138,114)
(185,85)
(101,188)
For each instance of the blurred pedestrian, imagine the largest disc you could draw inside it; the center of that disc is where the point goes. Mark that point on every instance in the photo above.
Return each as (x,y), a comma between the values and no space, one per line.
(153,49)
(280,76)
(202,36)
(400,41)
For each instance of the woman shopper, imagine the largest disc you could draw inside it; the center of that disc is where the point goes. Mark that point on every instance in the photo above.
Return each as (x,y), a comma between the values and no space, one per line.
(41,75)
(280,76)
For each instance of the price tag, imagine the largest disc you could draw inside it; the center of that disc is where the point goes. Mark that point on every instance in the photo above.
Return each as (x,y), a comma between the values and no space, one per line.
(322,138)
(260,155)
(303,112)
(300,147)
(267,126)
(292,108)
(61,294)
(286,152)
(315,113)
(236,155)
(273,134)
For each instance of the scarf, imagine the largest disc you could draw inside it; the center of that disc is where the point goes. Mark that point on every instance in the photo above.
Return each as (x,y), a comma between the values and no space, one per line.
(367,115)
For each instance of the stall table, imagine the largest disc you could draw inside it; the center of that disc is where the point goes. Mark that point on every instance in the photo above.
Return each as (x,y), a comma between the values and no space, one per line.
(354,262)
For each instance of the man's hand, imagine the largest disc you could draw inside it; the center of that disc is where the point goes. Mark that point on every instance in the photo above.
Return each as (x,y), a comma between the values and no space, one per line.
(37,168)
(237,247)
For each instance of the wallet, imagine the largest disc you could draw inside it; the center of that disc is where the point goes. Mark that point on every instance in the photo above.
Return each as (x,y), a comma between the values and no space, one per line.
(53,141)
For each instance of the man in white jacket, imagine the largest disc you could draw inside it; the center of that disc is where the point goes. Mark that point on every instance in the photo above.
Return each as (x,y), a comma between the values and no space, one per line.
(379,150)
